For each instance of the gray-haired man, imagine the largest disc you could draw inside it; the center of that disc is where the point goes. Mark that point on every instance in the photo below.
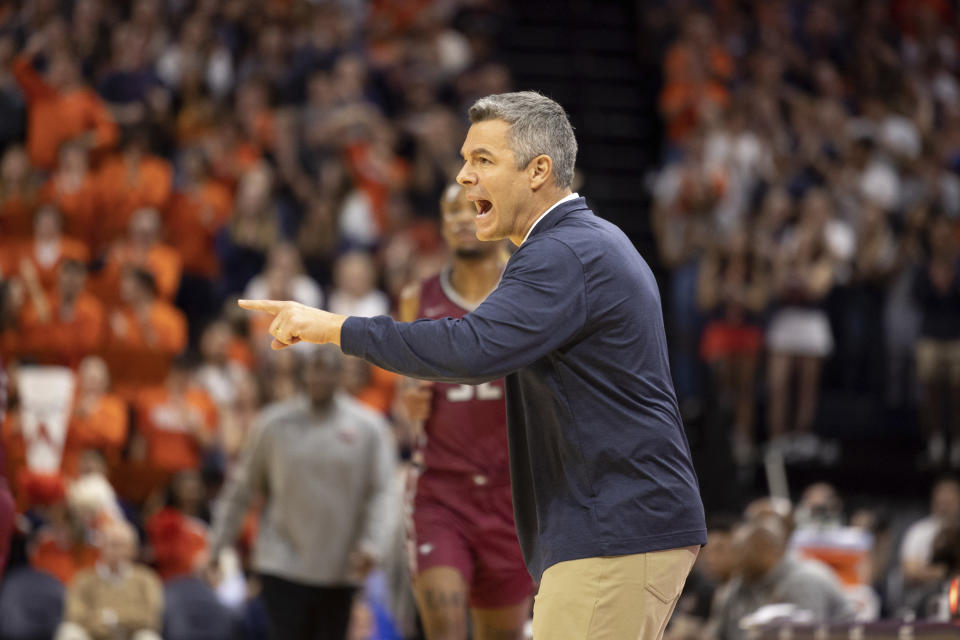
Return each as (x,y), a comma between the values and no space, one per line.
(607,507)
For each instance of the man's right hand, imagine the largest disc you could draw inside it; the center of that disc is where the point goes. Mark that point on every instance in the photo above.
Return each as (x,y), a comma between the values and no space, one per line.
(294,322)
(415,399)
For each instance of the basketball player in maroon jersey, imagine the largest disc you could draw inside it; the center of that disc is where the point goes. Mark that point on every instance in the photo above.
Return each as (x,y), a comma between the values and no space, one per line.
(464,547)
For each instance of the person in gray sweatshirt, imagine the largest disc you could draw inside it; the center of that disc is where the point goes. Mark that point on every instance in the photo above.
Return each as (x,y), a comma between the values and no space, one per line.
(323,464)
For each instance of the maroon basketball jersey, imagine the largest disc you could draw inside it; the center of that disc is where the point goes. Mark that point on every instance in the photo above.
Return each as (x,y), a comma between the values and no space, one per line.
(467,428)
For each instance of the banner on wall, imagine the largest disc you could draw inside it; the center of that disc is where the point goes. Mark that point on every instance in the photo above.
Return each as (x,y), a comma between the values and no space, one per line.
(46,400)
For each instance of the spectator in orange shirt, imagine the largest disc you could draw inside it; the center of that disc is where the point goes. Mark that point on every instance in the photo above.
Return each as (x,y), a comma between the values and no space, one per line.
(131,180)
(19,187)
(177,421)
(99,419)
(230,153)
(683,102)
(253,110)
(143,335)
(698,45)
(65,325)
(141,249)
(72,189)
(696,69)
(198,211)
(59,106)
(49,247)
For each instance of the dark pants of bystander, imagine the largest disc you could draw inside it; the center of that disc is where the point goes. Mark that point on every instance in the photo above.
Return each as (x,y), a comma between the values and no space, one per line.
(303,612)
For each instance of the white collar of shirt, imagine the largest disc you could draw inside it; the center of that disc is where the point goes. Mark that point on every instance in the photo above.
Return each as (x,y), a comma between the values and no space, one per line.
(556,204)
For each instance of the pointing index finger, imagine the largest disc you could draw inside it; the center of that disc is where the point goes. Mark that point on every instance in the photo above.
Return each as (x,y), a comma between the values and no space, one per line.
(269,306)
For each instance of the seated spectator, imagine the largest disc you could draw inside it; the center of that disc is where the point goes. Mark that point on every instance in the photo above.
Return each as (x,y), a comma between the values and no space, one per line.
(92,500)
(198,211)
(177,422)
(732,292)
(19,188)
(118,599)
(131,180)
(143,335)
(59,106)
(176,534)
(31,604)
(62,546)
(254,112)
(767,575)
(195,51)
(920,572)
(238,348)
(822,534)
(218,372)
(48,248)
(232,155)
(99,419)
(64,326)
(141,248)
(946,553)
(72,189)
(129,80)
(284,275)
(242,245)
(193,612)
(937,292)
(317,238)
(707,585)
(282,279)
(696,69)
(355,292)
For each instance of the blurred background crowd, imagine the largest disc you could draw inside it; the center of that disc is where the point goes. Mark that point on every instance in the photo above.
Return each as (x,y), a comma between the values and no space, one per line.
(161,158)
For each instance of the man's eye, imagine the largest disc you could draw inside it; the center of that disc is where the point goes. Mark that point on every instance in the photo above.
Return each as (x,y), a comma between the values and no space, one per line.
(484,161)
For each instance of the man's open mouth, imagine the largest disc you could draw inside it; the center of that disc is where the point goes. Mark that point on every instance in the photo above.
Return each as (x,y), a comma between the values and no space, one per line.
(483,207)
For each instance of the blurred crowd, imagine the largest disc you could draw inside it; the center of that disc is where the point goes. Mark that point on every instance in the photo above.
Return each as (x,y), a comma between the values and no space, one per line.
(161,158)
(808,211)
(822,560)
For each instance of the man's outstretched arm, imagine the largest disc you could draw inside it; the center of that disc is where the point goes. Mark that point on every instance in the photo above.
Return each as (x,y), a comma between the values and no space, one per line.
(539,305)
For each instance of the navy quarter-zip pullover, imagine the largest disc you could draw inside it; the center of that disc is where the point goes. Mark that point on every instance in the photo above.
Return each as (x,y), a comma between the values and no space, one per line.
(599,461)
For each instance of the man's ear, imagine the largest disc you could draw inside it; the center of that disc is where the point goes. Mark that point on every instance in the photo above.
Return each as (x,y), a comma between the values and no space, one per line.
(540,171)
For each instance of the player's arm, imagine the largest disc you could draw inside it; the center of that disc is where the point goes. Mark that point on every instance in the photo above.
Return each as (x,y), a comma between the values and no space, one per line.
(409,302)
(414,396)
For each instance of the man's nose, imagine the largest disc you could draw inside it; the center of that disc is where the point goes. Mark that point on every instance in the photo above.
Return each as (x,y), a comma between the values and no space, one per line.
(466,177)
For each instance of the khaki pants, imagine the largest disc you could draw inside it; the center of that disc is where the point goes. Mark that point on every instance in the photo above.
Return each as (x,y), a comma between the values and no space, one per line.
(73,631)
(611,598)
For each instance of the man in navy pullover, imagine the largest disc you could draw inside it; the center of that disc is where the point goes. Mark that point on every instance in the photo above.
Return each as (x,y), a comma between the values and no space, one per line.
(606,501)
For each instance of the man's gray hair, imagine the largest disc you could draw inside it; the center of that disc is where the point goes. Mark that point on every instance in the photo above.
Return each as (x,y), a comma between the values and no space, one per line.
(538,126)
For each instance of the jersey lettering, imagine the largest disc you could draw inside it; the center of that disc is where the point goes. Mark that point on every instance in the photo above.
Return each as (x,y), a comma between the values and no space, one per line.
(466,392)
